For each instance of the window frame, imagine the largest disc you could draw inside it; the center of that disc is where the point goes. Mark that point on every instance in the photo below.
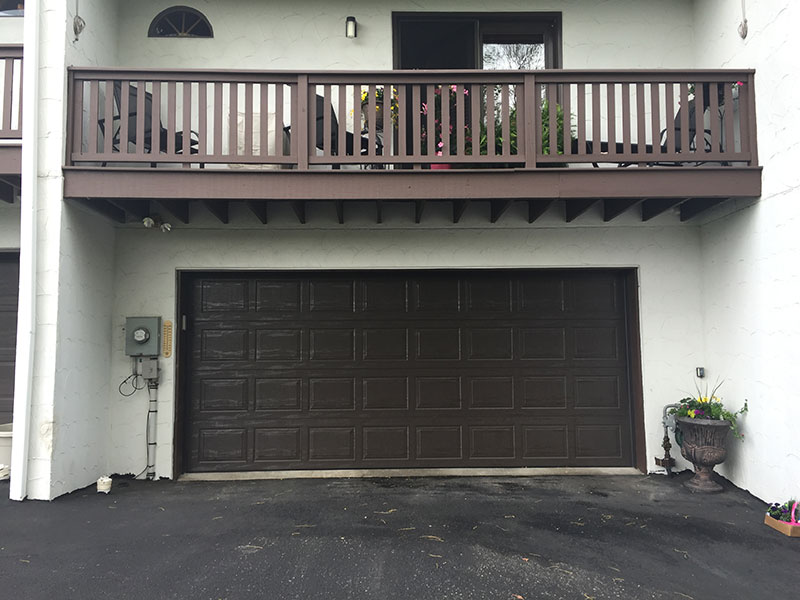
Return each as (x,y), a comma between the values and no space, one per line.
(167,12)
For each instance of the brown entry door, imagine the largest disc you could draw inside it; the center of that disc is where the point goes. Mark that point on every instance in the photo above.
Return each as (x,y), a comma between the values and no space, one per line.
(9,290)
(405,369)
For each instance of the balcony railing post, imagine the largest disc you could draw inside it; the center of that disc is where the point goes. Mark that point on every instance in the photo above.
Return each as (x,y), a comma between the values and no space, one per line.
(300,118)
(751,118)
(70,122)
(530,139)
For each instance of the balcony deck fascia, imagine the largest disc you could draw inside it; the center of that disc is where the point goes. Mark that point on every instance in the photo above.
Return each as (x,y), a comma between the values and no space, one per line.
(398,185)
(11,159)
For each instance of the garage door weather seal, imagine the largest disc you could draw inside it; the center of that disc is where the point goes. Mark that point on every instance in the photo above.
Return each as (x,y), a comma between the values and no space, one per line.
(375,473)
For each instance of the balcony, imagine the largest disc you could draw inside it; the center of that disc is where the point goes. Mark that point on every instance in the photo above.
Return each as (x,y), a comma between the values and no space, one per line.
(10,120)
(631,140)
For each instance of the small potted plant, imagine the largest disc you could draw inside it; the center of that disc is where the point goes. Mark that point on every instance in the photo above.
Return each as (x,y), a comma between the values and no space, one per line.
(783,518)
(379,102)
(703,423)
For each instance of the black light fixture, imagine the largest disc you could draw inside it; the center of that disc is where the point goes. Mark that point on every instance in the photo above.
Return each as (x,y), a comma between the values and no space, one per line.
(351,28)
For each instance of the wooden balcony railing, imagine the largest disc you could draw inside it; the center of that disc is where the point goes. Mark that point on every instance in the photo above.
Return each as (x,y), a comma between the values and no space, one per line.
(10,92)
(409,119)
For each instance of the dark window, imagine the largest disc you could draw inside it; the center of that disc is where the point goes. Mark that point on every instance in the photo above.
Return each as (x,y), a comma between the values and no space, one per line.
(180,21)
(12,7)
(477,40)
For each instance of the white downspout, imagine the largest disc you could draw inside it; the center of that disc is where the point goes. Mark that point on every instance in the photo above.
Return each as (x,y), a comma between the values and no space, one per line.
(26,315)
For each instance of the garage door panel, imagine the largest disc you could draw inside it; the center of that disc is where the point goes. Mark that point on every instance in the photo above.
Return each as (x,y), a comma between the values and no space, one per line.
(279,345)
(385,344)
(332,296)
(545,343)
(278,296)
(331,443)
(332,393)
(395,369)
(493,442)
(223,445)
(220,344)
(545,441)
(332,344)
(438,393)
(604,391)
(385,297)
(278,393)
(227,296)
(496,393)
(277,444)
(598,441)
(490,344)
(600,342)
(596,294)
(489,295)
(387,443)
(546,392)
(439,443)
(386,393)
(543,296)
(223,395)
(438,344)
(437,295)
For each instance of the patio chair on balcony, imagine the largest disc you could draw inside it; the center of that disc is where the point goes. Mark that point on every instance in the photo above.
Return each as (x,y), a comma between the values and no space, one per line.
(350,139)
(673,132)
(147,117)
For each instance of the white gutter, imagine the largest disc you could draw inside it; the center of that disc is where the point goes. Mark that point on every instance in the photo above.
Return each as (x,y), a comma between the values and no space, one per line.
(26,315)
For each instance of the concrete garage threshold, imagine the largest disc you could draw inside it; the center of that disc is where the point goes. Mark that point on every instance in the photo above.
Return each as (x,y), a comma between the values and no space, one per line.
(456,538)
(371,473)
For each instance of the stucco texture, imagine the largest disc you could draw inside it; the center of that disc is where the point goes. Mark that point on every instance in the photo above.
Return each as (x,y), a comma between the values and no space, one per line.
(751,253)
(251,34)
(145,284)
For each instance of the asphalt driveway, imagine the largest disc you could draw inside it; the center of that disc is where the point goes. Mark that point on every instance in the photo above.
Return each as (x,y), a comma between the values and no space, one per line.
(585,538)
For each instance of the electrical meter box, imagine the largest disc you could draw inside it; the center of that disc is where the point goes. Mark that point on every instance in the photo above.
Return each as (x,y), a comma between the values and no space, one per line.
(143,336)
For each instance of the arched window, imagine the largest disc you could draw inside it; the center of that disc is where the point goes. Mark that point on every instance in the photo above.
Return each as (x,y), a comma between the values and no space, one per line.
(180,21)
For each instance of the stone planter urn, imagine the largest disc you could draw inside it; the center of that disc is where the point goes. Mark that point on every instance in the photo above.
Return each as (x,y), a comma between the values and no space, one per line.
(704,446)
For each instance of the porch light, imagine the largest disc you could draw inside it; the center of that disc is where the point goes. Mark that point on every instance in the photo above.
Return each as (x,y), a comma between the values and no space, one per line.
(350,28)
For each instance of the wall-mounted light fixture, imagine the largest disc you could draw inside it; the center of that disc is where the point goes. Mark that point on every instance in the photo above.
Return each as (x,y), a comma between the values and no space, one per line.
(155,222)
(351,28)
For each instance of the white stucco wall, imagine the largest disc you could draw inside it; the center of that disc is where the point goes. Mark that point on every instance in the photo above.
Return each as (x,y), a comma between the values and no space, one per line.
(68,432)
(80,416)
(97,44)
(147,261)
(11,30)
(751,257)
(282,34)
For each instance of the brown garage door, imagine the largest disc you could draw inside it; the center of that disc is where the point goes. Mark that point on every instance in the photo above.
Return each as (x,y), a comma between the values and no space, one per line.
(9,290)
(405,369)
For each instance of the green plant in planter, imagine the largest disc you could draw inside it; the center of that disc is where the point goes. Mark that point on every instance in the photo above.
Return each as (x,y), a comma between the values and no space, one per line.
(709,406)
(782,512)
(545,141)
(559,128)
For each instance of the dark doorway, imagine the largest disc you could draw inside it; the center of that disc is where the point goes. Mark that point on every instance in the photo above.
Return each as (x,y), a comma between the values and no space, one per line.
(474,40)
(438,44)
(9,290)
